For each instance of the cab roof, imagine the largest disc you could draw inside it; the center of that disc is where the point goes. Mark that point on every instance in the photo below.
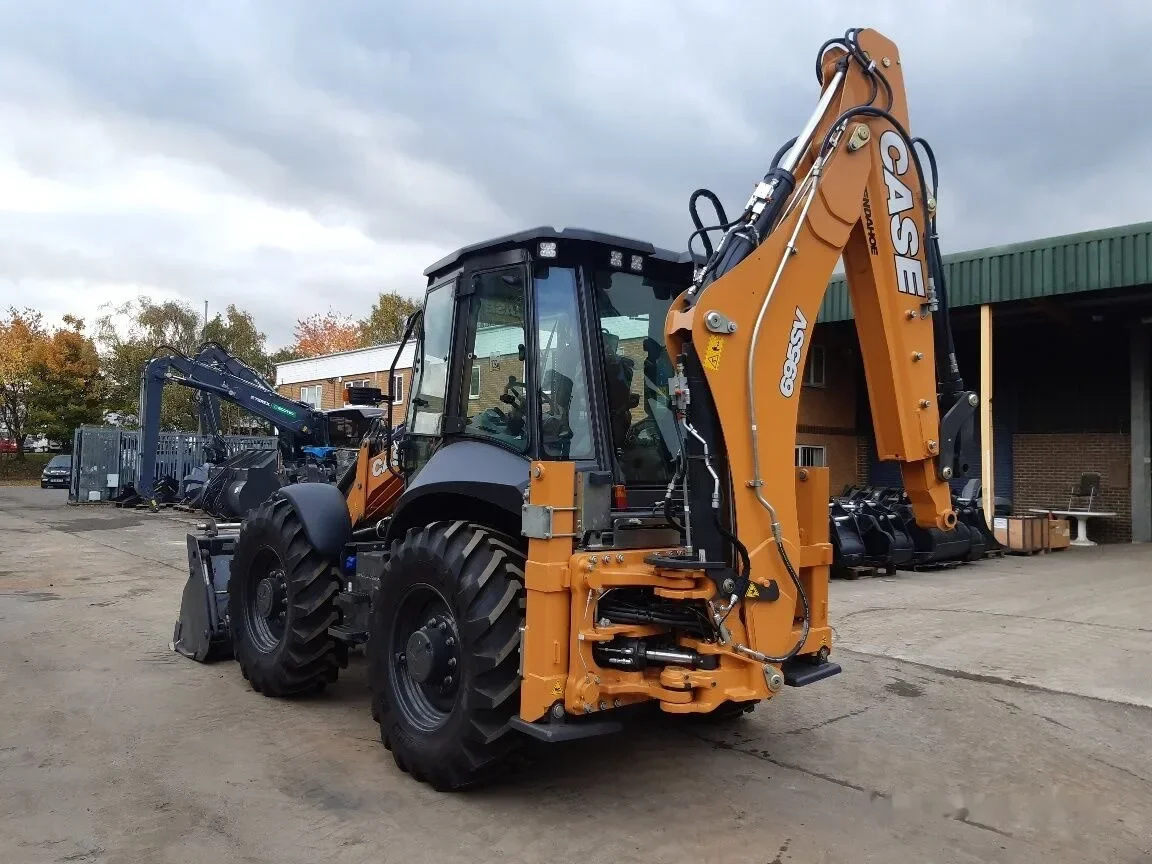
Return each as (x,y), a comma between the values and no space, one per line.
(532,235)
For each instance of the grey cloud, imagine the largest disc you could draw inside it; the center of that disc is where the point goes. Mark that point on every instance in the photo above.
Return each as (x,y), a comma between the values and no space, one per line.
(439,124)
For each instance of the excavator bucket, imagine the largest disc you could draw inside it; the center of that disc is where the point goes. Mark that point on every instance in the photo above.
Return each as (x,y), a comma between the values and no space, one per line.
(972,515)
(201,632)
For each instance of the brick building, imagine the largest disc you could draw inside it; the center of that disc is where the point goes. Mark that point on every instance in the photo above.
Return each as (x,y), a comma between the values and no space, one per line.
(1069,347)
(324,381)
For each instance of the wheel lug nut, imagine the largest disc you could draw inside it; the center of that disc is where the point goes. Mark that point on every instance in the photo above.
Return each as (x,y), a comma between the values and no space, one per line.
(443,626)
(451,662)
(400,658)
(431,622)
(448,681)
(449,641)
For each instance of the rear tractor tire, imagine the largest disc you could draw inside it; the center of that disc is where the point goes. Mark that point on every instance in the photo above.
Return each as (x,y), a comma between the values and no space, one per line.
(444,653)
(280,605)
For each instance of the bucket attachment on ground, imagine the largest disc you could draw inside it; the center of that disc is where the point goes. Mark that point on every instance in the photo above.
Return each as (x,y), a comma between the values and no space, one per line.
(972,515)
(847,545)
(201,633)
(887,541)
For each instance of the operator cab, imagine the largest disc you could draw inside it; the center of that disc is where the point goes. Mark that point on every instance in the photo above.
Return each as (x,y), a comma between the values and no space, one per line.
(549,345)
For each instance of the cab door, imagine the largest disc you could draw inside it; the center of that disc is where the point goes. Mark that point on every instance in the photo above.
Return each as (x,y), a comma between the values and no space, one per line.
(493,393)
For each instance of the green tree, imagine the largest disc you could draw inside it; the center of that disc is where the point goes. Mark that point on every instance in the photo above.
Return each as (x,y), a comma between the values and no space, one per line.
(68,388)
(237,333)
(131,334)
(385,323)
(284,355)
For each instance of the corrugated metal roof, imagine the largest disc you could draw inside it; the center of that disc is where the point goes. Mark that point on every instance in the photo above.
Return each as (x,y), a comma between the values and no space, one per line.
(1117,257)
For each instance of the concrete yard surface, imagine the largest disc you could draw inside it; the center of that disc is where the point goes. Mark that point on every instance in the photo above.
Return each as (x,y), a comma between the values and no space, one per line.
(992,713)
(1078,620)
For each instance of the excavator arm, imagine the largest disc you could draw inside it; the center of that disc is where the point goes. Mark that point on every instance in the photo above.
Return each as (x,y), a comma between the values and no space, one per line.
(850,187)
(218,376)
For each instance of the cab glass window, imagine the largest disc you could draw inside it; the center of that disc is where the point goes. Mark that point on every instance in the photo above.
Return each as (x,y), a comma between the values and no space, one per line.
(426,407)
(564,421)
(631,310)
(496,400)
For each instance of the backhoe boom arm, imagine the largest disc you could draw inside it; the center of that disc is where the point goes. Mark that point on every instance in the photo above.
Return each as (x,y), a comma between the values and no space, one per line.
(850,187)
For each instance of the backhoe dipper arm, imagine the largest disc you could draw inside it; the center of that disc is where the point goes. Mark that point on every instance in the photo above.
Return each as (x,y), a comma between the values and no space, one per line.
(296,424)
(850,187)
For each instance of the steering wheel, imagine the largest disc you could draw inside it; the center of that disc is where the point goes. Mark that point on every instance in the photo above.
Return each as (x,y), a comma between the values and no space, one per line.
(515,395)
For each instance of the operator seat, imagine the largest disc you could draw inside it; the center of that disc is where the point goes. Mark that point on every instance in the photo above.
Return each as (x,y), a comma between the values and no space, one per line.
(618,371)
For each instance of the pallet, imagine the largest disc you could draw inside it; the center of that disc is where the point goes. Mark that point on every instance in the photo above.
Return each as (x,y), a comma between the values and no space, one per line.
(853,573)
(994,553)
(930,566)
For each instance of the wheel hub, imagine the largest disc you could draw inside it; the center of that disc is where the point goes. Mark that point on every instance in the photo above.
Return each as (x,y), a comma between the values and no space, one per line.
(269,596)
(429,653)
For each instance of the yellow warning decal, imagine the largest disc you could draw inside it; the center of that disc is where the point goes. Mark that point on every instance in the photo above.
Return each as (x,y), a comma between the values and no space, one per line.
(712,355)
(557,689)
(753,592)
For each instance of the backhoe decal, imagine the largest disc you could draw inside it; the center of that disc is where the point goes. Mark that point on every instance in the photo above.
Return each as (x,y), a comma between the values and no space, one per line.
(905,237)
(795,351)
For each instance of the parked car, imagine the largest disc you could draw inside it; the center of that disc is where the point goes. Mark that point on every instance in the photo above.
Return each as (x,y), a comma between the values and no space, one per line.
(57,474)
(7,445)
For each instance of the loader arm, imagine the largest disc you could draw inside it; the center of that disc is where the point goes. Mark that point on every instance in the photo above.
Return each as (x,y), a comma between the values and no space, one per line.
(850,188)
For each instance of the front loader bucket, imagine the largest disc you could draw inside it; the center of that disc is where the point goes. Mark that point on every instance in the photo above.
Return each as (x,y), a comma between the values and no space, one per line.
(201,632)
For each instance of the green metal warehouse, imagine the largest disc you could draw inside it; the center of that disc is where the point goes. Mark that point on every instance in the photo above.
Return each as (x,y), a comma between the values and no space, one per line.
(1065,321)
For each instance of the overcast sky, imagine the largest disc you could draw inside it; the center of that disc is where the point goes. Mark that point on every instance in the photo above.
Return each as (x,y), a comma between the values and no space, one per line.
(297,155)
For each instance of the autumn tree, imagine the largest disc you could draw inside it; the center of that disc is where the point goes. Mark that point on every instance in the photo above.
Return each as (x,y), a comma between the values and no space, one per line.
(385,323)
(325,334)
(67,389)
(21,337)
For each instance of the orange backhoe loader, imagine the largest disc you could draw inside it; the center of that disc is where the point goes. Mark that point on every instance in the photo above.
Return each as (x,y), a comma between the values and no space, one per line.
(593,508)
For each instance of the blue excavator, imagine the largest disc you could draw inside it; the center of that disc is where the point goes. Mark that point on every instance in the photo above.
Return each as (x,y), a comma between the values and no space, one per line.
(310,442)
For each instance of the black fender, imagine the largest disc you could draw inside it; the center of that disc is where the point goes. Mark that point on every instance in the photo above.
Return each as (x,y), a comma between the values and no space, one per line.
(466,479)
(323,512)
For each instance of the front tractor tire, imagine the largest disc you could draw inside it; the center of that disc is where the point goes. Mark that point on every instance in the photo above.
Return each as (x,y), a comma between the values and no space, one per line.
(444,653)
(280,605)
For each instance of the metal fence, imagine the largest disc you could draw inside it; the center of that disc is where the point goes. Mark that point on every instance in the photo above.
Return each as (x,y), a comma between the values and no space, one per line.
(105,458)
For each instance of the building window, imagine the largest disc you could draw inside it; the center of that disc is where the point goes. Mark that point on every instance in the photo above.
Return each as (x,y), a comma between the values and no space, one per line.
(810,456)
(474,383)
(814,368)
(397,389)
(313,395)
